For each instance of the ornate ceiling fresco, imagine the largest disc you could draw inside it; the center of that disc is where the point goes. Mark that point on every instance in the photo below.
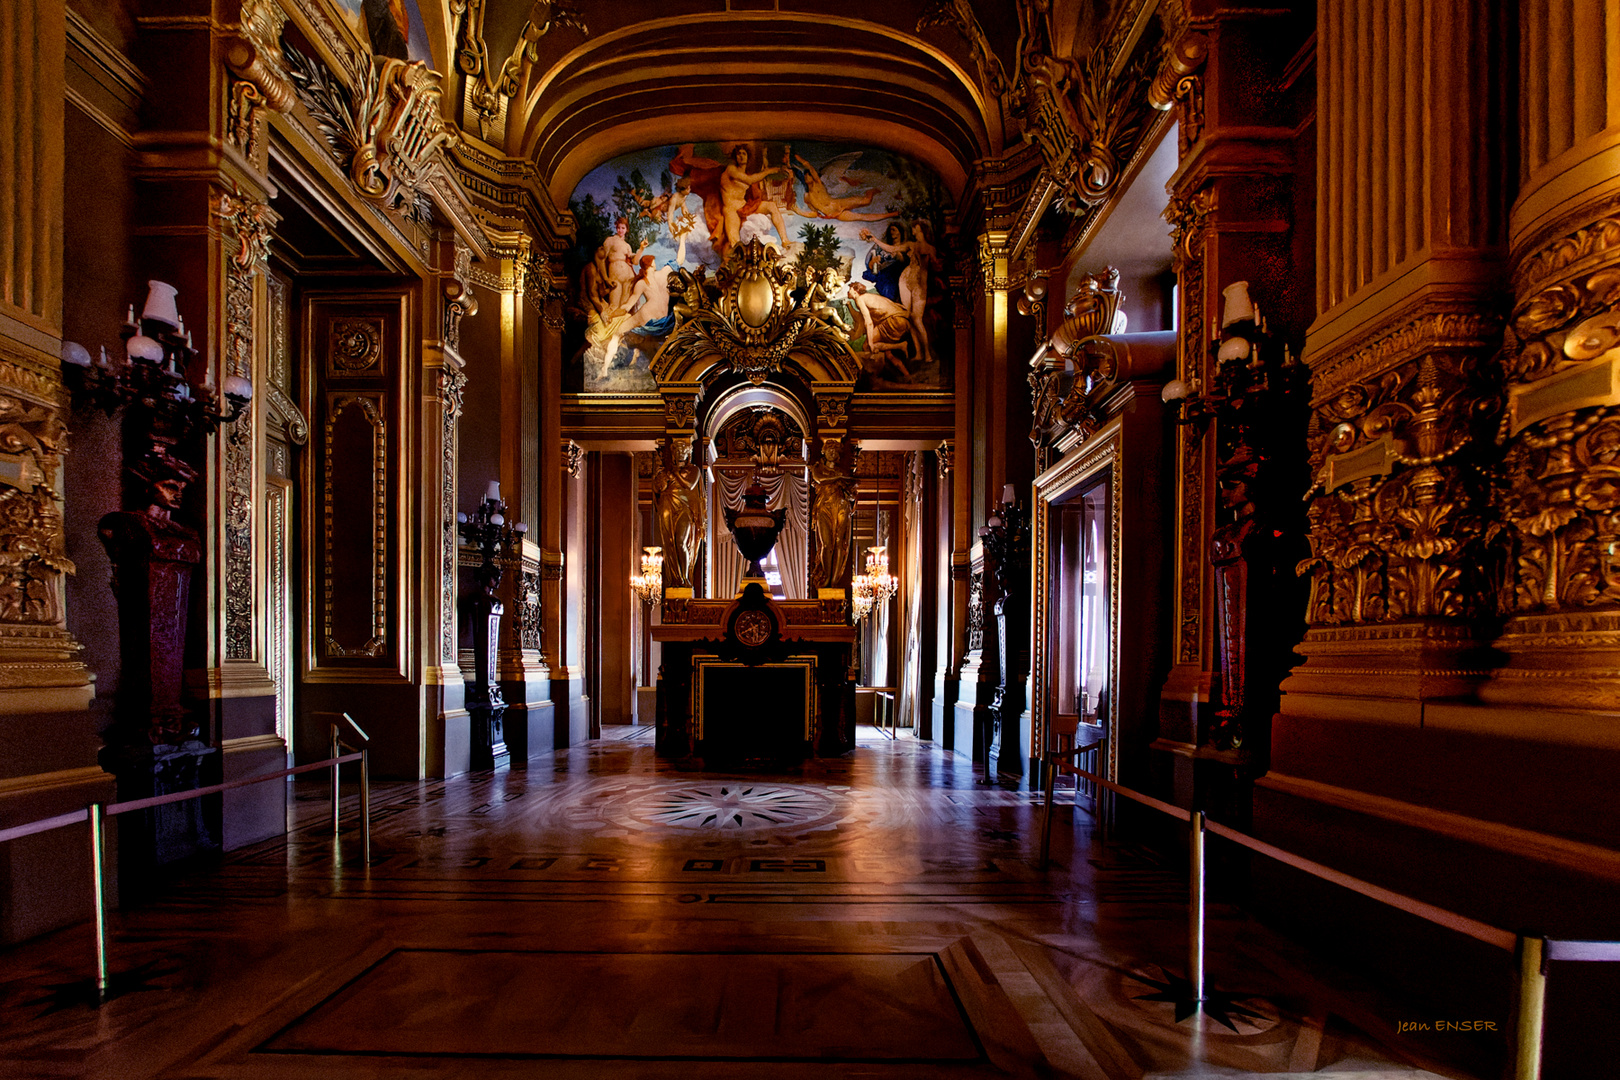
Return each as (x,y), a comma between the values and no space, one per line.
(871,217)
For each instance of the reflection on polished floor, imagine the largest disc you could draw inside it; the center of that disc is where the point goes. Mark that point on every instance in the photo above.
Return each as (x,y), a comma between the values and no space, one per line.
(608,914)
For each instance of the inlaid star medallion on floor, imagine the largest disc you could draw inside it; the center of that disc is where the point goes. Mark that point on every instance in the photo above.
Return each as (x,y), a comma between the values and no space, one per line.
(1221,1007)
(60,996)
(737,806)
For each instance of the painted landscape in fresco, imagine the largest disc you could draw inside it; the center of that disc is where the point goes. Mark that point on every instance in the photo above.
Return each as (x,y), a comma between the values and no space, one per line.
(874,216)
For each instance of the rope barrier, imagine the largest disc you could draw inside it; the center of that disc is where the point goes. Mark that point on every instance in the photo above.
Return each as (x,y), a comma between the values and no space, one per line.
(1531,952)
(214,789)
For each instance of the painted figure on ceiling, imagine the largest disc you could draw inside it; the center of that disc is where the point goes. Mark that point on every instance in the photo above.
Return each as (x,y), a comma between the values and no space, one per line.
(824,204)
(890,333)
(883,265)
(650,318)
(730,193)
(615,267)
(921,257)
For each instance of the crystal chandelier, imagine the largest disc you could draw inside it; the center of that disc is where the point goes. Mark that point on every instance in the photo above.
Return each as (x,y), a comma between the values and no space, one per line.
(880,582)
(860,604)
(647,584)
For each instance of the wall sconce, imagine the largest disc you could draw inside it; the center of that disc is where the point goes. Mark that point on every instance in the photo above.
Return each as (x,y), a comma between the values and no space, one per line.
(151,374)
(648,584)
(486,529)
(1248,365)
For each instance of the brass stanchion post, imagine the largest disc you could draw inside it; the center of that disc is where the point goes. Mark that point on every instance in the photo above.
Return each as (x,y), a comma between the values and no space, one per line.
(98,874)
(1195,907)
(365,806)
(1049,769)
(1531,1008)
(337,795)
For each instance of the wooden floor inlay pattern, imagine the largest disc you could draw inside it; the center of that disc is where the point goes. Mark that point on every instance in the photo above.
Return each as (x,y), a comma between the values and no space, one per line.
(603,913)
(643,1006)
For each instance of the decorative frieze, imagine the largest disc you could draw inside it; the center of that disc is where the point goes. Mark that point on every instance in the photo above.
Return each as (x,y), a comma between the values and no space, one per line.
(1559,485)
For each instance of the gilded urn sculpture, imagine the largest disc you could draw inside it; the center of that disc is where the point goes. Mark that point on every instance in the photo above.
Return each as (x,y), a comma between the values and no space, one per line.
(754,528)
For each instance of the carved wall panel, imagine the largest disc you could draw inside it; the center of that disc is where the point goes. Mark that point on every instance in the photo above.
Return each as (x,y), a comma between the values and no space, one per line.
(1187,216)
(278,589)
(355,525)
(354,486)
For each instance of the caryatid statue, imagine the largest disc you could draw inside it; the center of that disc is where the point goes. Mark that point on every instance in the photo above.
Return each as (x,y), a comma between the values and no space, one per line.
(678,505)
(832,516)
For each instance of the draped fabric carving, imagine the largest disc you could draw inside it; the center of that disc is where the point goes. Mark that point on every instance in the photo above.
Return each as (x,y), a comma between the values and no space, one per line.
(784,490)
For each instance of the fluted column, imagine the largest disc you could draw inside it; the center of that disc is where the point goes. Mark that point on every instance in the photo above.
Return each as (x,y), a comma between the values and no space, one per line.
(1556,489)
(1411,186)
(39,666)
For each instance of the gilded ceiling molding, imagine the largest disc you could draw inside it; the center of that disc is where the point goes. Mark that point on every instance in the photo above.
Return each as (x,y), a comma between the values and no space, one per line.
(958,15)
(485,91)
(259,77)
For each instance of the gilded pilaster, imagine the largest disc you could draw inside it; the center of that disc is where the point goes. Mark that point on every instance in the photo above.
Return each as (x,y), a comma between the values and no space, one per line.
(39,666)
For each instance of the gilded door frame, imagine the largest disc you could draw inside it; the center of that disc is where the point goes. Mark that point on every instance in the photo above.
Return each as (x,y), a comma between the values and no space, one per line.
(1072,473)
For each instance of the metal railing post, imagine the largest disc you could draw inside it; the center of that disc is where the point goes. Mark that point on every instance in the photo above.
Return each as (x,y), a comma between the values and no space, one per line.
(1530,1009)
(365,806)
(98,875)
(1049,768)
(337,795)
(1195,907)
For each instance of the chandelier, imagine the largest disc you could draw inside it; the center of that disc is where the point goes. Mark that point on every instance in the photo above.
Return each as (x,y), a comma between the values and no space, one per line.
(872,588)
(860,604)
(647,584)
(879,581)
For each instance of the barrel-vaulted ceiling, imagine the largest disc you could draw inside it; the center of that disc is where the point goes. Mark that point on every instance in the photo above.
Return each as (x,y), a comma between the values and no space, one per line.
(749,77)
(925,78)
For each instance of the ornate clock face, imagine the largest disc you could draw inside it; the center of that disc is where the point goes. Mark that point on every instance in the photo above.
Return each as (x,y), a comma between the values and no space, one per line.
(752,628)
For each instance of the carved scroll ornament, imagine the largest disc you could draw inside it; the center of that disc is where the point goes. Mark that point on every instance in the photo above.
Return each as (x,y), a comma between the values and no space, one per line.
(747,316)
(259,73)
(384,127)
(487,91)
(1407,539)
(1559,485)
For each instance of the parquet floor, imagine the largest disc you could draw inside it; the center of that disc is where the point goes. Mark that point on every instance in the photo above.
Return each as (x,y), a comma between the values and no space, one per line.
(608,914)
